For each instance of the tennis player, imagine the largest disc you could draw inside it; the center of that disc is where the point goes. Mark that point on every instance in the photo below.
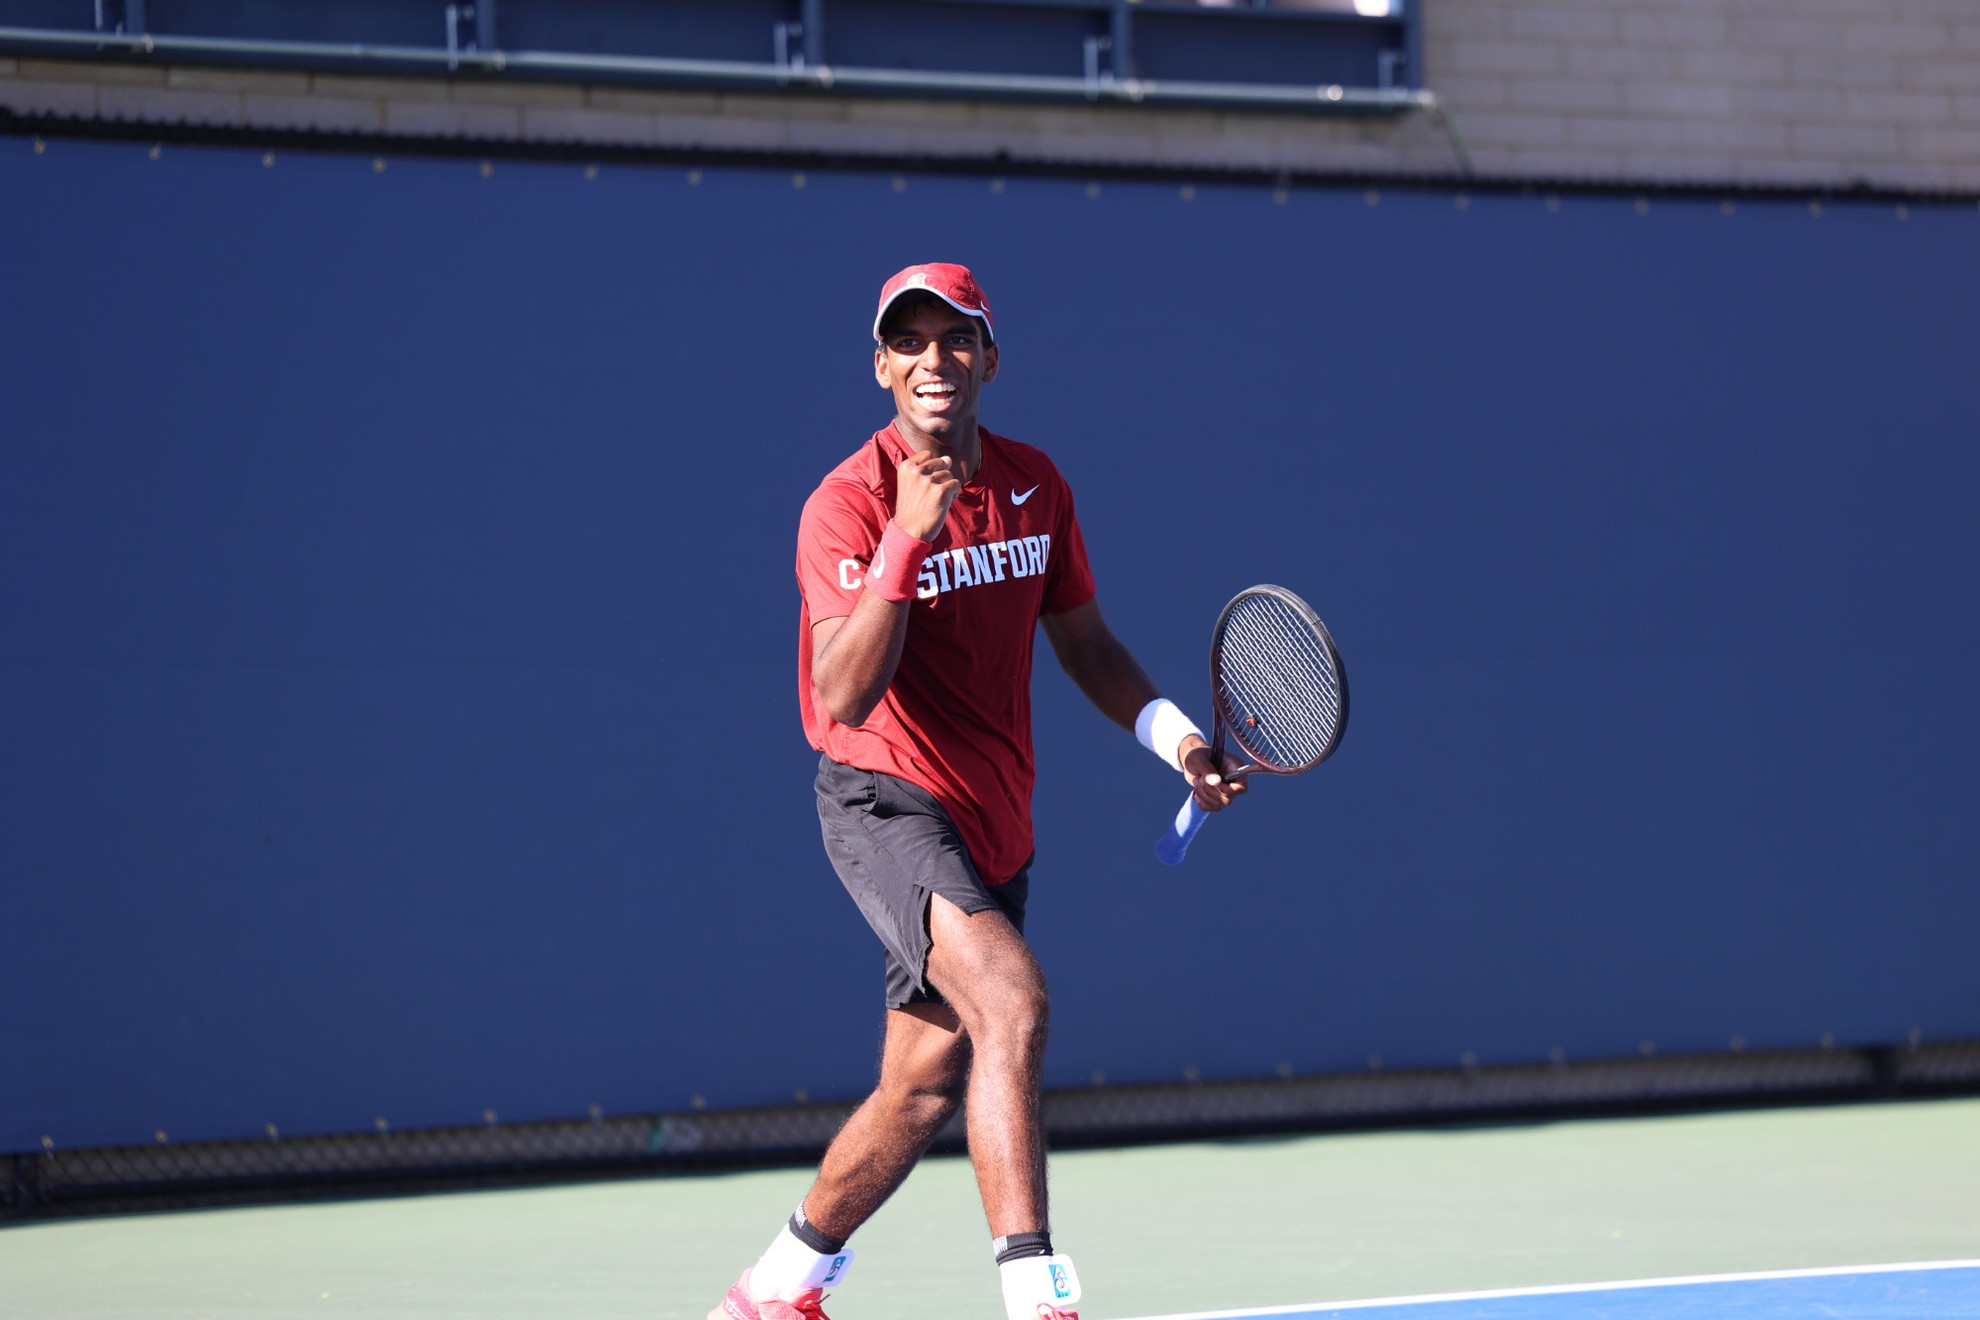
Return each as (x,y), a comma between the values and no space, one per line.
(926,560)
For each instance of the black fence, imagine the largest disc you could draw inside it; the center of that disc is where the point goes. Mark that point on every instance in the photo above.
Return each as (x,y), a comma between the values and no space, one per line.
(122,1179)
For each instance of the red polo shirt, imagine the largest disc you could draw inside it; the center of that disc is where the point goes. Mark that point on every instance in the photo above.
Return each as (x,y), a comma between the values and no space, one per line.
(956,720)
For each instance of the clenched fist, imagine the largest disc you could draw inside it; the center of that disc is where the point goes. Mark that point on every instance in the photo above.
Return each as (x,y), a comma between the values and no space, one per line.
(927,487)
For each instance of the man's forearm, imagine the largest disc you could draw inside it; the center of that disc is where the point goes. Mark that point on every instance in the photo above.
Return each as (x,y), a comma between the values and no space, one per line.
(1113,680)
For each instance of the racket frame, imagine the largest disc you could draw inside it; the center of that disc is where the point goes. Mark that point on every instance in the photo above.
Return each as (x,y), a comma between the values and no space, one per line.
(1221,726)
(1189,820)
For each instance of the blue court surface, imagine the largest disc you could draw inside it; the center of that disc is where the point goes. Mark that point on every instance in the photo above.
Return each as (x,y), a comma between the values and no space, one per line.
(1917,1289)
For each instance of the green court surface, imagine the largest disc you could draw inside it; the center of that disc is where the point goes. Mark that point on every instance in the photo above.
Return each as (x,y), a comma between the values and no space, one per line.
(1155,1230)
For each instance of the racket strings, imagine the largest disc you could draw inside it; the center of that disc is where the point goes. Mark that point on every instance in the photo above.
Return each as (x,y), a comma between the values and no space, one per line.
(1277,684)
(1279,724)
(1260,714)
(1306,665)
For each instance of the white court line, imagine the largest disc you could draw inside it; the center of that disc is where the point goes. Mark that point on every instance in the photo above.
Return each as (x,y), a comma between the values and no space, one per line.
(1369,1303)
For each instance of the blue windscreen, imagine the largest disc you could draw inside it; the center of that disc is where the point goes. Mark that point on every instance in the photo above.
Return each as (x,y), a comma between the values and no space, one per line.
(398,671)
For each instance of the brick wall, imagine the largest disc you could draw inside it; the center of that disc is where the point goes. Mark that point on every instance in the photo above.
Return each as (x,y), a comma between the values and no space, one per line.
(1819,92)
(1801,93)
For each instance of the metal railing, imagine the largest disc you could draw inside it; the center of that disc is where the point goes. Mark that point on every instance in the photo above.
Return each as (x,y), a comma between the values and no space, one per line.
(777,75)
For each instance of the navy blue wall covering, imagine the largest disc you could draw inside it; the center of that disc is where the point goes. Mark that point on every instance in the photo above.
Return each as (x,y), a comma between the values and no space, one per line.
(397,674)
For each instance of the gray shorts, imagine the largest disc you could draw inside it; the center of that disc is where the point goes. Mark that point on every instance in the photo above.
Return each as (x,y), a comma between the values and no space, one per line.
(893,846)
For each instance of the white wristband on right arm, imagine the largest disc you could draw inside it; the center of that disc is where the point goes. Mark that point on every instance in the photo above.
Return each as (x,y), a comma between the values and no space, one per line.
(1161,727)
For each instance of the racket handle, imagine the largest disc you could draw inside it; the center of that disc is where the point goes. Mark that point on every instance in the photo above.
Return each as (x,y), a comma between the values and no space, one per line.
(1176,842)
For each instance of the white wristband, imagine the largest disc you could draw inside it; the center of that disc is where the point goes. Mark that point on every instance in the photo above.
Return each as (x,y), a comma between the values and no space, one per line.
(1161,727)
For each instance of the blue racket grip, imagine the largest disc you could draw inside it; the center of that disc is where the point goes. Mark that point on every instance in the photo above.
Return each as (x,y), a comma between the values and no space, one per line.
(1176,842)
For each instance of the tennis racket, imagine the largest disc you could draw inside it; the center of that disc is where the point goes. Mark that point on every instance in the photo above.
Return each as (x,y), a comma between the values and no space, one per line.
(1280,694)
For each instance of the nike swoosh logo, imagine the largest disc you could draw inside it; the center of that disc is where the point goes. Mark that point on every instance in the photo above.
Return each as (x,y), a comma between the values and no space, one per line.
(1019,499)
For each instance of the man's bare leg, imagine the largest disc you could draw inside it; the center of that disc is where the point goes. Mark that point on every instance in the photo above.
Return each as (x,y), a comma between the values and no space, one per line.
(993,1036)
(985,970)
(923,1067)
(983,967)
(924,1063)
(991,1044)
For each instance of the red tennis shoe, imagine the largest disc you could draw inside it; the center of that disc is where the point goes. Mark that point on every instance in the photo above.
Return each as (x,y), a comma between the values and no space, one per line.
(739,1305)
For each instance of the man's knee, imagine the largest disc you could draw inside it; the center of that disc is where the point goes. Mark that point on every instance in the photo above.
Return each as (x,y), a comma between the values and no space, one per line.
(1011,1013)
(1031,1011)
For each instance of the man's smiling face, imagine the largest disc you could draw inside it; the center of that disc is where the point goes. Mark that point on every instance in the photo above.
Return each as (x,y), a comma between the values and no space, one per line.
(933,360)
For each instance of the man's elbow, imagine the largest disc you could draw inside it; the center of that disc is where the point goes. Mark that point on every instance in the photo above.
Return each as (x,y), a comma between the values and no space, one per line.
(844,710)
(1085,664)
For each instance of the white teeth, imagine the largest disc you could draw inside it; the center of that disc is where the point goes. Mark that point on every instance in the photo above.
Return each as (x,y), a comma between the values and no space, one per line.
(934,391)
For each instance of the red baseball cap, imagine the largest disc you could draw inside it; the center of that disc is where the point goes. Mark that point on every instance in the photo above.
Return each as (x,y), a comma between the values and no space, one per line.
(953,284)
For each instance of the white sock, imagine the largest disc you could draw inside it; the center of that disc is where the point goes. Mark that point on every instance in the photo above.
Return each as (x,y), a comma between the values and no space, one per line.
(789,1269)
(1049,1280)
